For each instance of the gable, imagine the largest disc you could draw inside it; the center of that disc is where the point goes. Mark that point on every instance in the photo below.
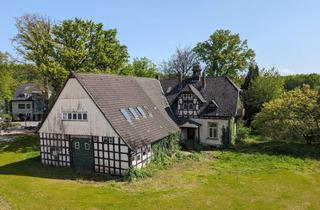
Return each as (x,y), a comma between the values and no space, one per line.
(73,98)
(219,89)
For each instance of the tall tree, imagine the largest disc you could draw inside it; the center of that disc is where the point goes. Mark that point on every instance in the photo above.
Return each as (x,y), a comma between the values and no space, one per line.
(267,86)
(181,62)
(82,45)
(294,115)
(73,45)
(253,73)
(34,43)
(225,54)
(7,80)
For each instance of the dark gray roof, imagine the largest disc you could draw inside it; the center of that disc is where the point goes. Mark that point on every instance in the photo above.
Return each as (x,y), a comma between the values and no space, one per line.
(113,92)
(221,90)
(23,92)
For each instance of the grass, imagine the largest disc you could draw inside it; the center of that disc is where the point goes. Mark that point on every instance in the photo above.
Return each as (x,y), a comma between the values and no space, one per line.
(253,175)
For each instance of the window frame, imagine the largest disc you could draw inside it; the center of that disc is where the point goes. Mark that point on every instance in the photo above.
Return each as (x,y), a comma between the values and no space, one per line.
(74,116)
(125,114)
(213,130)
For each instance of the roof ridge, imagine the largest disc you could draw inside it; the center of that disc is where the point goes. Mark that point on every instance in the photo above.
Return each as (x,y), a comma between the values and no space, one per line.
(110,75)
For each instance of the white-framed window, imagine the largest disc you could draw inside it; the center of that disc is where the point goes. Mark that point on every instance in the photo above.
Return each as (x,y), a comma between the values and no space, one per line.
(190,106)
(212,130)
(74,116)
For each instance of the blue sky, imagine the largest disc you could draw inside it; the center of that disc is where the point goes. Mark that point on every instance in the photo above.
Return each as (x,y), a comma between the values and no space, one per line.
(283,33)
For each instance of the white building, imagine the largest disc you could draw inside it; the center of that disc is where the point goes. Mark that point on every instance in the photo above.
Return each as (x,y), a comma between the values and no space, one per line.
(204,107)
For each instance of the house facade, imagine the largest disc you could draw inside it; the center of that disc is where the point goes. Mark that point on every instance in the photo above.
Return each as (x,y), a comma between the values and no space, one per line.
(28,103)
(105,123)
(204,107)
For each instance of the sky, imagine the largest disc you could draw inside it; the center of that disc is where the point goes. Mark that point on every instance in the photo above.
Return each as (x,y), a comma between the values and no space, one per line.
(284,34)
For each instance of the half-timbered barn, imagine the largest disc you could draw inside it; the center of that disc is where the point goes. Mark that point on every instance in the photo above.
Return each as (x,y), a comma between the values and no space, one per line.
(204,106)
(105,123)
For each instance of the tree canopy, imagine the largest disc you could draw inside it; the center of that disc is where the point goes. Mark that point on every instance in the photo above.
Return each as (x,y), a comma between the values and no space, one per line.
(140,67)
(264,86)
(72,45)
(298,80)
(225,54)
(181,62)
(294,115)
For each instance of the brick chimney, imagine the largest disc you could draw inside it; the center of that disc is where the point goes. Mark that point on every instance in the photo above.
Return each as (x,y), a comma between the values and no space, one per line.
(196,72)
(204,79)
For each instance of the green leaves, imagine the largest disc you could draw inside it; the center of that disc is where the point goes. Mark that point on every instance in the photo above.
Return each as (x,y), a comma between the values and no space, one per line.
(85,46)
(225,54)
(140,67)
(73,45)
(293,115)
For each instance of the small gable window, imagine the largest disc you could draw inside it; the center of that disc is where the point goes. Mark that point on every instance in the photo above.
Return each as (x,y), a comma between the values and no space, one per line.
(74,116)
(84,116)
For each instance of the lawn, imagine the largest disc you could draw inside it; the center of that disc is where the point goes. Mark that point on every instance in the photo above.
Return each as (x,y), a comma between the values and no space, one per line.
(254,175)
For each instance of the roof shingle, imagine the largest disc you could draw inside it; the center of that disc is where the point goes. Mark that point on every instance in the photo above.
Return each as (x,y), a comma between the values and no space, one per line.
(113,92)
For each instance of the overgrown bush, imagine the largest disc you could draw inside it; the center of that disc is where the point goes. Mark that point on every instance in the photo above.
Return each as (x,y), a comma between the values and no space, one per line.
(243,131)
(165,153)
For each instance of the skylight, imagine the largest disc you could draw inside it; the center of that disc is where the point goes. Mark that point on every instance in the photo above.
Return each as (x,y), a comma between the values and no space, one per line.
(140,109)
(134,113)
(126,115)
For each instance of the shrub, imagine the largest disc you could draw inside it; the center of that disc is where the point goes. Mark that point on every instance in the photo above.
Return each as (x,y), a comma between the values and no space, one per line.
(243,131)
(165,153)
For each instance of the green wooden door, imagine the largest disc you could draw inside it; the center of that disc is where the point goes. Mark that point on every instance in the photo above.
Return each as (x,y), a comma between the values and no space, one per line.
(82,154)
